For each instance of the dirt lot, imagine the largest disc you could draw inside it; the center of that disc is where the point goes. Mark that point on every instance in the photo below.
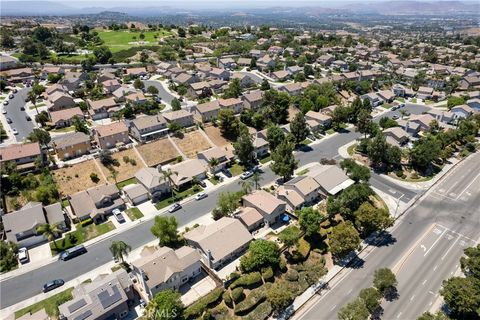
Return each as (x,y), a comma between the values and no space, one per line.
(157,152)
(76,178)
(192,143)
(215,135)
(126,169)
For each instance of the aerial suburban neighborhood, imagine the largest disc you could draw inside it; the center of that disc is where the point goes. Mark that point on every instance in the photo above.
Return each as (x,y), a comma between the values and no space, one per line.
(240,160)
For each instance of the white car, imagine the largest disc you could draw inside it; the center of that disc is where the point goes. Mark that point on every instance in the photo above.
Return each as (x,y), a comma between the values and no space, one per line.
(23,255)
(4,111)
(174,207)
(15,132)
(200,196)
(118,215)
(246,175)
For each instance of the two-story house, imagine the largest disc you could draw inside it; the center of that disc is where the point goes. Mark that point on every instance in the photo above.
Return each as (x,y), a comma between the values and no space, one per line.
(154,182)
(148,127)
(23,155)
(181,117)
(103,108)
(111,135)
(71,145)
(269,206)
(222,157)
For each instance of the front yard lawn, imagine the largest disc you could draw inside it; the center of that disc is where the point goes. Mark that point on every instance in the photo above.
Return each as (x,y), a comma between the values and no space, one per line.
(50,304)
(178,196)
(237,169)
(214,180)
(387,106)
(124,183)
(401,99)
(81,235)
(266,159)
(134,213)
(330,131)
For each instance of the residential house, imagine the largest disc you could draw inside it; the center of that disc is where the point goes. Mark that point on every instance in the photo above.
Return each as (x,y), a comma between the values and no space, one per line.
(184,78)
(120,94)
(23,155)
(154,182)
(399,90)
(71,145)
(18,75)
(246,80)
(412,128)
(199,90)
(111,135)
(294,89)
(227,63)
(206,112)
(51,70)
(332,179)
(181,117)
(135,193)
(260,146)
(386,95)
(442,116)
(185,172)
(462,111)
(136,98)
(252,99)
(95,203)
(218,73)
(374,99)
(474,104)
(219,242)
(163,268)
(222,156)
(136,72)
(103,108)
(7,62)
(269,206)
(300,191)
(317,121)
(424,93)
(148,127)
(235,104)
(73,80)
(64,118)
(280,75)
(107,297)
(244,62)
(57,87)
(257,53)
(109,86)
(325,60)
(265,62)
(423,120)
(59,101)
(250,218)
(396,136)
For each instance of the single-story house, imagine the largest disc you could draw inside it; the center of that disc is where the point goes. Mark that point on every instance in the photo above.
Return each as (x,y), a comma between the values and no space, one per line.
(250,218)
(186,171)
(300,191)
(64,118)
(331,178)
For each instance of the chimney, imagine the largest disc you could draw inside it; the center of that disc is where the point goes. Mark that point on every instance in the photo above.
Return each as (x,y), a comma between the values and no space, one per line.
(209,256)
(407,125)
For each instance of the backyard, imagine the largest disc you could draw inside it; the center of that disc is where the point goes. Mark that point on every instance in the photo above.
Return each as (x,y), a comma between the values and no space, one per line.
(192,143)
(158,152)
(121,40)
(76,178)
(128,164)
(216,136)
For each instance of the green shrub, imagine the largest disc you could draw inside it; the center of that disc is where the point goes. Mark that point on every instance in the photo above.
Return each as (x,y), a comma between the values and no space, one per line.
(248,280)
(303,249)
(261,312)
(227,298)
(414,176)
(237,294)
(198,308)
(399,173)
(86,222)
(255,297)
(94,177)
(126,159)
(292,275)
(282,265)
(267,274)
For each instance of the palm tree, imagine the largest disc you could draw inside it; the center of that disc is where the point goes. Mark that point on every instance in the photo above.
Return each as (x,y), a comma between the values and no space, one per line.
(256,178)
(119,249)
(167,175)
(246,186)
(213,163)
(114,174)
(32,97)
(50,232)
(402,113)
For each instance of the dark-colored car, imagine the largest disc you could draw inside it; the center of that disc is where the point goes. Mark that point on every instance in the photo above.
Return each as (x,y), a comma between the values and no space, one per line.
(72,253)
(28,118)
(22,108)
(9,120)
(54,284)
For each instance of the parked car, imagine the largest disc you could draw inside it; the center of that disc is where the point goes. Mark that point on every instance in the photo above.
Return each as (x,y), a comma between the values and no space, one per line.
(395,117)
(54,284)
(22,108)
(23,256)
(72,253)
(4,111)
(227,173)
(15,90)
(200,196)
(28,118)
(14,131)
(176,206)
(11,96)
(246,175)
(202,184)
(118,215)
(9,120)
(5,102)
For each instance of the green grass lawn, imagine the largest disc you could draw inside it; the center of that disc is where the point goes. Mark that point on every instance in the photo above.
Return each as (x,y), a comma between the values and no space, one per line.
(124,183)
(414,100)
(330,131)
(119,40)
(66,129)
(401,99)
(65,203)
(429,102)
(387,106)
(50,304)
(214,180)
(236,169)
(178,197)
(39,105)
(303,172)
(81,235)
(265,159)
(351,149)
(134,213)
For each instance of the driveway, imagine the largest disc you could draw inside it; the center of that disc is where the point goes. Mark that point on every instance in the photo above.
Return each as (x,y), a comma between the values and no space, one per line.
(162,93)
(18,116)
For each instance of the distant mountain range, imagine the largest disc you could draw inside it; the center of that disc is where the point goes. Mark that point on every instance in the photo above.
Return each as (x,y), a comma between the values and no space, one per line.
(52,8)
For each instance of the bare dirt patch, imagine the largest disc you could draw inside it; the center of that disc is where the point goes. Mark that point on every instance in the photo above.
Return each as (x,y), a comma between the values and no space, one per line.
(216,136)
(158,152)
(192,143)
(128,164)
(76,178)
(292,112)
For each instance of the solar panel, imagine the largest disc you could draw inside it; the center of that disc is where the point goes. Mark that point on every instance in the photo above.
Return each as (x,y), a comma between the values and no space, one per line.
(77,305)
(84,315)
(107,300)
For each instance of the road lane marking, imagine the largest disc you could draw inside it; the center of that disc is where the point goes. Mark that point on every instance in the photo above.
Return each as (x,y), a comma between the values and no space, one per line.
(436,241)
(469,185)
(398,316)
(412,297)
(423,247)
(461,235)
(435,268)
(453,244)
(424,281)
(333,308)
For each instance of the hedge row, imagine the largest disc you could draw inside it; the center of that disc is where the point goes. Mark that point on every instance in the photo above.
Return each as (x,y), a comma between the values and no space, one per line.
(267,274)
(261,312)
(236,295)
(199,307)
(247,281)
(255,297)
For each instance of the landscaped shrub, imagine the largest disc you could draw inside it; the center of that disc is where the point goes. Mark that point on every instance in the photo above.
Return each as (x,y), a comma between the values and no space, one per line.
(86,222)
(198,308)
(399,173)
(255,297)
(303,249)
(94,177)
(261,312)
(267,274)
(292,275)
(237,294)
(282,265)
(414,176)
(227,298)
(247,281)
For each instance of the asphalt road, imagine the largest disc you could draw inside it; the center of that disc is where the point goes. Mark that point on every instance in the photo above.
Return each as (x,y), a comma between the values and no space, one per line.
(424,250)
(162,93)
(29,284)
(18,116)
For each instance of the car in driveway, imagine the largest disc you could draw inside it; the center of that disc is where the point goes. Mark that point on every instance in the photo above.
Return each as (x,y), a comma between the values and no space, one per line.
(201,196)
(23,256)
(22,108)
(54,284)
(246,175)
(14,131)
(176,206)
(118,215)
(395,117)
(15,90)
(4,111)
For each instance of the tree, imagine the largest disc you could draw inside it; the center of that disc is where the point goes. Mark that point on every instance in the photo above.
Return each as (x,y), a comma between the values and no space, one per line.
(174,127)
(290,236)
(106,158)
(166,305)
(152,90)
(371,298)
(279,296)
(386,122)
(119,250)
(343,239)
(42,118)
(256,178)
(275,136)
(227,203)
(213,163)
(276,104)
(376,150)
(369,219)
(176,105)
(309,220)
(32,97)
(244,149)
(234,89)
(424,152)
(470,263)
(284,162)
(384,280)
(246,186)
(181,32)
(354,310)
(227,122)
(138,84)
(265,85)
(355,171)
(462,296)
(261,254)
(8,256)
(298,128)
(165,229)
(167,175)
(50,232)
(80,125)
(41,136)
(437,316)
(102,54)
(364,122)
